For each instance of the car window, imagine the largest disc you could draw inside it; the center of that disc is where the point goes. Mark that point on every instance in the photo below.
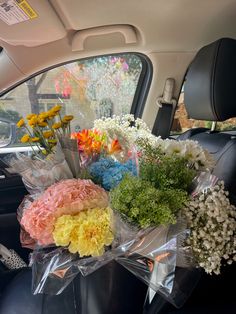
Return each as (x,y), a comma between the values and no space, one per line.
(88,89)
(182,122)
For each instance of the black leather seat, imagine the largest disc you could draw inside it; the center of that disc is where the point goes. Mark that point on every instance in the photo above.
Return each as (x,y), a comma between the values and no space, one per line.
(210,94)
(110,290)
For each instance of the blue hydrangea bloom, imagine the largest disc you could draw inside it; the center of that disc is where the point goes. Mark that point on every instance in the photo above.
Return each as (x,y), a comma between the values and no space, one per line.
(109,172)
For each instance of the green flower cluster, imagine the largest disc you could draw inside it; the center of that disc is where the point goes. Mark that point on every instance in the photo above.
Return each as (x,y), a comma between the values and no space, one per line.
(165,171)
(146,205)
(160,191)
(168,172)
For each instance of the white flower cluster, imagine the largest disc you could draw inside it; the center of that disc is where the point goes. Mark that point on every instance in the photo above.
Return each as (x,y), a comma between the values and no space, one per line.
(126,129)
(197,157)
(129,130)
(212,222)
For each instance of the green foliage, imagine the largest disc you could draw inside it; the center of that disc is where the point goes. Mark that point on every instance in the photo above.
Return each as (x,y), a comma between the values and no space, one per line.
(165,172)
(10,115)
(169,172)
(145,205)
(208,124)
(161,190)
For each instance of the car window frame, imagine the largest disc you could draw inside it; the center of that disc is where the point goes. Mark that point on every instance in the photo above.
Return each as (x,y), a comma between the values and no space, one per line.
(140,94)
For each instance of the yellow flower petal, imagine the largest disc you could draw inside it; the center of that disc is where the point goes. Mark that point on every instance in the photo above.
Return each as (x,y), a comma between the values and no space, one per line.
(20,123)
(52,141)
(43,115)
(33,121)
(67,118)
(47,134)
(30,116)
(35,139)
(42,124)
(57,125)
(56,108)
(86,233)
(25,138)
(51,114)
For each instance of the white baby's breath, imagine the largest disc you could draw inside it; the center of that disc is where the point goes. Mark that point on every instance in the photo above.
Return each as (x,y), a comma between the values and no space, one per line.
(212,221)
(126,129)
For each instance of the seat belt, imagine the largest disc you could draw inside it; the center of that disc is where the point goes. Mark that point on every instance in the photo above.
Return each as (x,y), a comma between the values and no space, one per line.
(166,104)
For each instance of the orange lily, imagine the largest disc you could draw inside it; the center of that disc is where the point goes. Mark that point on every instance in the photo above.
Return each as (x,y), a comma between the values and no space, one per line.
(115,147)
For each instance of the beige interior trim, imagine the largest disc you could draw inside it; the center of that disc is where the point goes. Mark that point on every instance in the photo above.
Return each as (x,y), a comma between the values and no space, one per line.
(165,65)
(9,71)
(127,31)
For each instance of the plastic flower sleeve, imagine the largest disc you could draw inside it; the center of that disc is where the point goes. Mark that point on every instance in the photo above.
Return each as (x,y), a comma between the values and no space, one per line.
(186,275)
(25,238)
(72,155)
(54,269)
(38,174)
(154,258)
(203,182)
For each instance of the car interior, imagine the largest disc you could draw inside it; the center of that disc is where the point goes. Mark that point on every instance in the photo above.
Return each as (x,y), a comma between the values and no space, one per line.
(161,51)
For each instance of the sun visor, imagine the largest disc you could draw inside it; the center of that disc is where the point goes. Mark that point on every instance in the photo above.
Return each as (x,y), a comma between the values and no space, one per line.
(29,23)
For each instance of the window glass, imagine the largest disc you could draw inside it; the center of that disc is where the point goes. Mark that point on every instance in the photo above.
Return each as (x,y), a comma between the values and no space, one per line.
(182,123)
(87,89)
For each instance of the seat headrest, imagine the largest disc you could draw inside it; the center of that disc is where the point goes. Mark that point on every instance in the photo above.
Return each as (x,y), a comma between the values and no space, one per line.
(210,87)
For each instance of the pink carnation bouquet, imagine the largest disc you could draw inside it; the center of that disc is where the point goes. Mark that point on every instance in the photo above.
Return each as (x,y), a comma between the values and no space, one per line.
(73,213)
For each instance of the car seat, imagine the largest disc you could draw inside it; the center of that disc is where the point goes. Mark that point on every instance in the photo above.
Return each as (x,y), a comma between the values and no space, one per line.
(109,290)
(210,92)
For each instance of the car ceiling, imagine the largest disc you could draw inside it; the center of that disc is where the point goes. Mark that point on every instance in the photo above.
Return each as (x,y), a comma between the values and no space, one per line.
(164,25)
(160,26)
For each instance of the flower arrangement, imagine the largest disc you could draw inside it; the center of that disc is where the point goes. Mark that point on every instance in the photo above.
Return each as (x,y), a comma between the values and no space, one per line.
(86,233)
(108,172)
(197,158)
(66,213)
(136,187)
(44,128)
(126,129)
(93,143)
(160,191)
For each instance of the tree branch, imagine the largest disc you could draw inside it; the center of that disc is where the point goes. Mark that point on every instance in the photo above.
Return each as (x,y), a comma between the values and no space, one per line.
(40,81)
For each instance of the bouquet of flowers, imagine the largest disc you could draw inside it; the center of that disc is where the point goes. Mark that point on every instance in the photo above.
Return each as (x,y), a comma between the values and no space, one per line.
(125,195)
(53,154)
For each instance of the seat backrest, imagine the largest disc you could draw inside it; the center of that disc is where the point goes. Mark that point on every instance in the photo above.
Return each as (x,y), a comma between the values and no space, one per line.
(210,94)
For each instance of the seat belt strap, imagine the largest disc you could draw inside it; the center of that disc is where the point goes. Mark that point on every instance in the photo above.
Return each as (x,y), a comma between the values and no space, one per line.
(166,104)
(163,122)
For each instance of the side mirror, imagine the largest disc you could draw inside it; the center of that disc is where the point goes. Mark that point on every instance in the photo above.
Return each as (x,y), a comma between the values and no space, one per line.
(7,132)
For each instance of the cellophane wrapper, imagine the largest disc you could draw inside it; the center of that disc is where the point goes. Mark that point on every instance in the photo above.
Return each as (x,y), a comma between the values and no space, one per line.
(151,254)
(39,173)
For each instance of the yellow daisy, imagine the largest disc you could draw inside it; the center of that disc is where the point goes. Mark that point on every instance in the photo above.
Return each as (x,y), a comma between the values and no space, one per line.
(25,138)
(20,123)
